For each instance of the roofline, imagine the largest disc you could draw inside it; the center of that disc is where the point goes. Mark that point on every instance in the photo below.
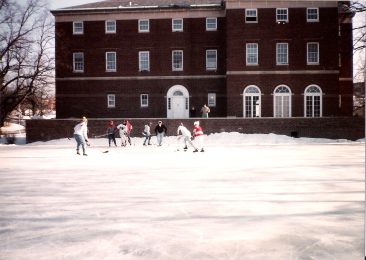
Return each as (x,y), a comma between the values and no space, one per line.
(125,8)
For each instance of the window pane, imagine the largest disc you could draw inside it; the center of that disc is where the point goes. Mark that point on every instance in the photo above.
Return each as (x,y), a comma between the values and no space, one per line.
(78,61)
(282,53)
(144,100)
(252,53)
(211,99)
(144,61)
(177,25)
(211,24)
(281,14)
(251,15)
(111,61)
(312,14)
(313,53)
(144,26)
(211,59)
(110,26)
(78,27)
(177,60)
(111,100)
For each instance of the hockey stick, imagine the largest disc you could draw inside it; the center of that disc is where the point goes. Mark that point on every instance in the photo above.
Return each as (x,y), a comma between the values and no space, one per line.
(97,136)
(88,144)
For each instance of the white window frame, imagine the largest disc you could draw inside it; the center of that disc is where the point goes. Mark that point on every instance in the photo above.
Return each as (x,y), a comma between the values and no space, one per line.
(144,100)
(111,100)
(211,24)
(248,52)
(144,60)
(211,64)
(279,13)
(211,99)
(76,29)
(177,27)
(249,13)
(252,91)
(312,20)
(278,53)
(280,95)
(110,26)
(142,28)
(309,62)
(312,94)
(108,63)
(175,68)
(81,63)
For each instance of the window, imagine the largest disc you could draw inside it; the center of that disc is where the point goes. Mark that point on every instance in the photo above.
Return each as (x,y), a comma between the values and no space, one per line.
(251,16)
(252,101)
(144,61)
(282,53)
(177,25)
(312,15)
(177,60)
(211,59)
(144,100)
(211,99)
(312,53)
(110,26)
(144,25)
(111,100)
(282,102)
(78,27)
(110,61)
(281,15)
(252,54)
(313,101)
(211,24)
(78,61)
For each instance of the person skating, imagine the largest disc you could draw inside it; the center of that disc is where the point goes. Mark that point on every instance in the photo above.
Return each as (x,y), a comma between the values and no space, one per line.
(160,131)
(111,133)
(128,130)
(123,133)
(186,134)
(81,135)
(147,133)
(198,136)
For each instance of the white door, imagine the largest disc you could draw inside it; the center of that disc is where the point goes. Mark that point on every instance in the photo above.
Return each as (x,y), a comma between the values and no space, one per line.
(178,102)
(178,106)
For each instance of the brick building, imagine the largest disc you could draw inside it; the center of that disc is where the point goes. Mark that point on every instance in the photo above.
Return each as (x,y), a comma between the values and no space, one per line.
(244,58)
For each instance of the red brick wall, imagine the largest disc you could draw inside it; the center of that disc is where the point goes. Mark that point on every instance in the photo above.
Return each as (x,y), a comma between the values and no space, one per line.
(328,127)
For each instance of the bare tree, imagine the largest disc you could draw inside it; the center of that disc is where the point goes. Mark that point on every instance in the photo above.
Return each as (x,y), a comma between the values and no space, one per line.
(26,43)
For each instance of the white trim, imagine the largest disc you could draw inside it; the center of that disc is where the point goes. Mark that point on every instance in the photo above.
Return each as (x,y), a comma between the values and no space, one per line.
(213,28)
(73,62)
(287,15)
(106,27)
(106,61)
(82,28)
(147,100)
(246,54)
(307,54)
(148,60)
(282,95)
(278,63)
(320,94)
(259,95)
(143,30)
(111,100)
(181,67)
(312,20)
(256,15)
(179,29)
(211,68)
(282,72)
(170,98)
(143,77)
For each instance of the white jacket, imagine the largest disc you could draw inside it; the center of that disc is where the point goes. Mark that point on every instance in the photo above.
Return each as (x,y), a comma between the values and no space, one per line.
(81,129)
(184,131)
(147,130)
(122,129)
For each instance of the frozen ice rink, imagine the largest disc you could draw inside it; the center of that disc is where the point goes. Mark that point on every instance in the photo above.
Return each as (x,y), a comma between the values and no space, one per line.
(246,197)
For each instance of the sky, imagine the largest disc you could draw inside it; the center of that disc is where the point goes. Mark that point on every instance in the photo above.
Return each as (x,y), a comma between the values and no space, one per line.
(246,197)
(54,4)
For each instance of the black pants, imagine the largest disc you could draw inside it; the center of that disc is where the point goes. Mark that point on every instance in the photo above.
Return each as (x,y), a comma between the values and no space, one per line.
(111,137)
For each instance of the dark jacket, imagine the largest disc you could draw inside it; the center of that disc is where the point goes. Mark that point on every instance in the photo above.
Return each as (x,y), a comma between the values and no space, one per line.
(161,129)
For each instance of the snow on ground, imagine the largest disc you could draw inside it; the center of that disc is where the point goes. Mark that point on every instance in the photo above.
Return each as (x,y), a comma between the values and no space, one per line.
(246,197)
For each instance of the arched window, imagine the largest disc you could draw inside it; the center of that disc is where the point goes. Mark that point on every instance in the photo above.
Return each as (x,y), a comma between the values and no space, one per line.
(251,101)
(178,93)
(282,101)
(313,101)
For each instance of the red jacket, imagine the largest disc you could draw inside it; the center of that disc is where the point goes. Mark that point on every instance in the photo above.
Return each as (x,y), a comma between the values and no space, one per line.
(197,131)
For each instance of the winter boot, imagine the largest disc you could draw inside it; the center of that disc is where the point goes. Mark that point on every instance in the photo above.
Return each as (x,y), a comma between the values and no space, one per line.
(185,148)
(85,154)
(195,151)
(77,152)
(202,150)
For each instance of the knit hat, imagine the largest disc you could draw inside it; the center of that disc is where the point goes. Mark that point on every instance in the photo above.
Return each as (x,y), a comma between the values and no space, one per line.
(196,123)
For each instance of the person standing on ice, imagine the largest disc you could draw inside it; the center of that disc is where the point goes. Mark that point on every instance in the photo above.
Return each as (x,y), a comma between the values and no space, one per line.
(128,130)
(198,136)
(81,135)
(123,133)
(147,133)
(111,133)
(182,131)
(160,131)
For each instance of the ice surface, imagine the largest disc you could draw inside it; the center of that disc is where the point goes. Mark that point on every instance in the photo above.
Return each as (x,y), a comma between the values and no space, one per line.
(246,197)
